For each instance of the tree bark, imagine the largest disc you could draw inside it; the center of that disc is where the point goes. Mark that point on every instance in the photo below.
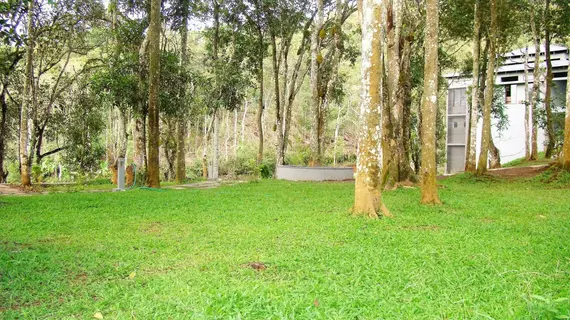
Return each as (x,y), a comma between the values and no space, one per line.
(153,175)
(181,123)
(566,146)
(535,90)
(527,109)
(278,110)
(548,94)
(316,90)
(367,194)
(3,132)
(260,106)
(429,106)
(216,147)
(27,101)
(470,162)
(489,89)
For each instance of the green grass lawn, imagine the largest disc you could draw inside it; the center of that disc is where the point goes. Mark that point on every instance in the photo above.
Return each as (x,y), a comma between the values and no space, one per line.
(522,162)
(494,250)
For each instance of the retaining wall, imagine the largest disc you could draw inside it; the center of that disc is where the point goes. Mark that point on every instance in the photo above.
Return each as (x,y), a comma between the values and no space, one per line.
(294,173)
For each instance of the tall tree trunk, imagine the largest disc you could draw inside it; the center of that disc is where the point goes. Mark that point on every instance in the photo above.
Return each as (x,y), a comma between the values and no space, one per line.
(535,90)
(316,90)
(139,141)
(205,149)
(367,193)
(489,89)
(527,109)
(235,132)
(495,155)
(3,132)
(153,168)
(243,121)
(260,106)
(429,106)
(181,123)
(566,146)
(549,76)
(216,147)
(405,95)
(278,99)
(470,162)
(27,101)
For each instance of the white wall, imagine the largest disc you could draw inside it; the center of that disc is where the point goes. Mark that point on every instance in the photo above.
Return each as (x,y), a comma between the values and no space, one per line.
(510,142)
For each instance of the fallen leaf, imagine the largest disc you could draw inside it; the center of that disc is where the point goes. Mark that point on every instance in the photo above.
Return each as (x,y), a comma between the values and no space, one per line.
(132,275)
(98,315)
(541,216)
(316,303)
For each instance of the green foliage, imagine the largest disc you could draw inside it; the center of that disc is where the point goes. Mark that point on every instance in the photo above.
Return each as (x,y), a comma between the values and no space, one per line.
(494,247)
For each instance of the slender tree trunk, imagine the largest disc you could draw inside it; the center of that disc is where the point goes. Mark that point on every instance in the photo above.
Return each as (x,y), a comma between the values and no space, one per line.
(527,109)
(205,149)
(216,147)
(535,90)
(489,89)
(260,106)
(336,130)
(316,94)
(243,121)
(278,110)
(429,106)
(470,163)
(405,170)
(139,153)
(227,141)
(549,77)
(153,175)
(235,133)
(367,193)
(27,101)
(566,146)
(3,132)
(181,123)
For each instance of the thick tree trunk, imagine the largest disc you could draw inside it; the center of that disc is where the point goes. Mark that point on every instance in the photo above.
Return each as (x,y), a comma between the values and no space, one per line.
(153,175)
(489,89)
(527,109)
(495,155)
(316,90)
(548,94)
(27,101)
(428,168)
(470,162)
(367,195)
(566,146)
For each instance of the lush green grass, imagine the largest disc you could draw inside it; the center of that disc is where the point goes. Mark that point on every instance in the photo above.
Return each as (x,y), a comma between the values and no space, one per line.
(522,162)
(494,250)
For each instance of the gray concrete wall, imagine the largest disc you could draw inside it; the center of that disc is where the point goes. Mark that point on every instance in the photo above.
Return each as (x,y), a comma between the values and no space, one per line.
(293,173)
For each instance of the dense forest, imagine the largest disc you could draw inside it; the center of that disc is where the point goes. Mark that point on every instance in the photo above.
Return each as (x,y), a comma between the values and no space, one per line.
(203,89)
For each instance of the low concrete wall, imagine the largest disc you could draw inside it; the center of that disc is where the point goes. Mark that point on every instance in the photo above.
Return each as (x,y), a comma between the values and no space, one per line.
(293,173)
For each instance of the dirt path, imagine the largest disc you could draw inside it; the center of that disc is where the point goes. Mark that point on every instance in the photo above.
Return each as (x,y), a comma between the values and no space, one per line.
(518,172)
(10,190)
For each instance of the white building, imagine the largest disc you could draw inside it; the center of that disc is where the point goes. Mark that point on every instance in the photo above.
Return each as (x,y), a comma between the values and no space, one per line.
(511,75)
